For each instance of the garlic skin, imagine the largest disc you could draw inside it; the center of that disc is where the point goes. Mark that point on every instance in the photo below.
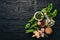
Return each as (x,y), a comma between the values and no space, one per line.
(52,22)
(42,35)
(36,34)
(49,22)
(42,29)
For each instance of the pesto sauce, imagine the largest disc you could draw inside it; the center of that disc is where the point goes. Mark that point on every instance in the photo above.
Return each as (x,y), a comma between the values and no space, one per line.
(38,16)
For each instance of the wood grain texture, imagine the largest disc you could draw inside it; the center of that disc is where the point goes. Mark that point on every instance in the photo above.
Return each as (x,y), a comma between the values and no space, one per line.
(14,14)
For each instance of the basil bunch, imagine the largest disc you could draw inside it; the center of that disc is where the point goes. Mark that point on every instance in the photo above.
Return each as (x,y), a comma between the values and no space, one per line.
(49,9)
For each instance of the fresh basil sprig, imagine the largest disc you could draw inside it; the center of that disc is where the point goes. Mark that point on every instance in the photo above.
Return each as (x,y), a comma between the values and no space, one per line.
(53,14)
(47,9)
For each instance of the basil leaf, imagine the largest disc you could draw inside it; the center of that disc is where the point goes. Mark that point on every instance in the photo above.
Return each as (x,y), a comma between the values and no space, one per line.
(30,31)
(47,9)
(51,15)
(34,25)
(32,20)
(54,13)
(44,10)
(27,26)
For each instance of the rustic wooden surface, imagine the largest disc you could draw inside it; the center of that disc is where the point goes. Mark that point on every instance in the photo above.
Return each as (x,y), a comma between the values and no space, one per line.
(14,14)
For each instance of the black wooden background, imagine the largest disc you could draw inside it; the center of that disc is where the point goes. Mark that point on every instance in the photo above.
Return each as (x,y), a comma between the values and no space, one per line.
(14,14)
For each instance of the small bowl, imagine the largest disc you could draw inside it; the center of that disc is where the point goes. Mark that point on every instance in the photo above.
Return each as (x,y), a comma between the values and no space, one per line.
(39,12)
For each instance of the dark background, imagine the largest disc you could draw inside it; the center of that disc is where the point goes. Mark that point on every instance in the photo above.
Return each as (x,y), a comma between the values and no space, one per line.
(14,14)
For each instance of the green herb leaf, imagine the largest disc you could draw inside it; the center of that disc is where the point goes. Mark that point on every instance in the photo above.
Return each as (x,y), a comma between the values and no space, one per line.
(34,25)
(36,28)
(32,20)
(29,31)
(47,9)
(54,13)
(27,26)
(44,10)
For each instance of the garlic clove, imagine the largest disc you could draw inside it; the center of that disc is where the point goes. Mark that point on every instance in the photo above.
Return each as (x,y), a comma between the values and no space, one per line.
(42,29)
(38,36)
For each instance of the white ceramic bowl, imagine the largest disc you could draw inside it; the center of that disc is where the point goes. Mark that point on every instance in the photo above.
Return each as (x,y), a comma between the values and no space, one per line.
(41,16)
